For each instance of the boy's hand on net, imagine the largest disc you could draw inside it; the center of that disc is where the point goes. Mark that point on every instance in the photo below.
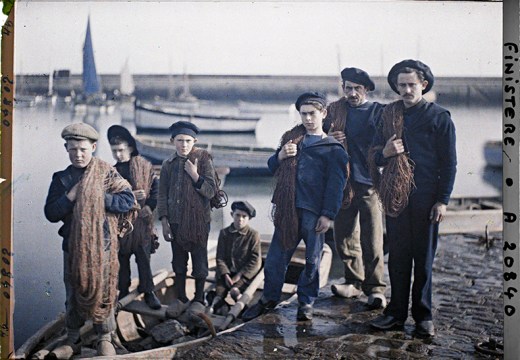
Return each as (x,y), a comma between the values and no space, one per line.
(139,195)
(191,169)
(288,150)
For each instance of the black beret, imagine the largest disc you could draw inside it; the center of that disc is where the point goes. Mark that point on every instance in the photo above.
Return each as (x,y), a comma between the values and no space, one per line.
(244,206)
(80,131)
(310,96)
(122,132)
(358,76)
(414,64)
(184,127)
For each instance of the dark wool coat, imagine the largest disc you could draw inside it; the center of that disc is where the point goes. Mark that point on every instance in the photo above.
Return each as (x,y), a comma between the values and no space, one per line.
(321,176)
(238,251)
(429,137)
(59,208)
(359,132)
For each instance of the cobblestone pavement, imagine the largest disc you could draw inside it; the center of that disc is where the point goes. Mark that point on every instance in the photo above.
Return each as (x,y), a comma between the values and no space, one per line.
(467,302)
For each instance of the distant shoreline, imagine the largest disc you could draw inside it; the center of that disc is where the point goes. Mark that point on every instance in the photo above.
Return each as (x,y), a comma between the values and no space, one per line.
(448,90)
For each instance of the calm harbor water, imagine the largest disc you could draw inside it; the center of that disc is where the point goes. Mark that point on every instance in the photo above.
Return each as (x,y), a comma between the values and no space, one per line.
(38,152)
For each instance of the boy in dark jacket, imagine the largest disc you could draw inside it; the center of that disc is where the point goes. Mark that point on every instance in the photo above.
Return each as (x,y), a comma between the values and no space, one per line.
(310,170)
(145,185)
(186,185)
(87,197)
(239,255)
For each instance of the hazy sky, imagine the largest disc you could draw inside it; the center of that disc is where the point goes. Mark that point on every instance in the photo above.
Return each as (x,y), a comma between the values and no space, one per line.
(269,38)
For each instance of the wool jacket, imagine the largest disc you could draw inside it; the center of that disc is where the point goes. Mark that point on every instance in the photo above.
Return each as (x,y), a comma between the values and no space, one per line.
(151,200)
(429,137)
(59,208)
(320,176)
(238,251)
(170,187)
(360,127)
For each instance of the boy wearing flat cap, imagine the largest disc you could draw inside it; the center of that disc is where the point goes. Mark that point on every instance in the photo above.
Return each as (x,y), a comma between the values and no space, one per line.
(186,185)
(140,174)
(415,147)
(358,228)
(310,171)
(238,254)
(88,197)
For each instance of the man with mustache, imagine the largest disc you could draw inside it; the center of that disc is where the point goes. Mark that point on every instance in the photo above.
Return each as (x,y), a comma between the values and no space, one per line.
(415,147)
(358,228)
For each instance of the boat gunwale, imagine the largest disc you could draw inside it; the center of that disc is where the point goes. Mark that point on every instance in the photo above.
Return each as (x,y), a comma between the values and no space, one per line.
(198,116)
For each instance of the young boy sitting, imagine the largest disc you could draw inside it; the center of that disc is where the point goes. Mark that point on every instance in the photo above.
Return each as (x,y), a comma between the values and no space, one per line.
(186,185)
(145,185)
(310,171)
(238,254)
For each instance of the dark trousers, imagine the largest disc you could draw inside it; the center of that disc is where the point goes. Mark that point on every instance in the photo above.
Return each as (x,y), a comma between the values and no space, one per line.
(142,258)
(199,261)
(412,240)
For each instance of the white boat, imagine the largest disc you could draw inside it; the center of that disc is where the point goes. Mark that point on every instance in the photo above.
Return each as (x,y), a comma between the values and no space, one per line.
(152,117)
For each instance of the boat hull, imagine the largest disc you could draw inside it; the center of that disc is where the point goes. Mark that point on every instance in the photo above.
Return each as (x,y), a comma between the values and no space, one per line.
(154,118)
(241,160)
(137,314)
(493,153)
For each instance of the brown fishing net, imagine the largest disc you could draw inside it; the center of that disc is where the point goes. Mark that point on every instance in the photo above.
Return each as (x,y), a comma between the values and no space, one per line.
(395,183)
(337,116)
(94,276)
(283,212)
(141,178)
(191,230)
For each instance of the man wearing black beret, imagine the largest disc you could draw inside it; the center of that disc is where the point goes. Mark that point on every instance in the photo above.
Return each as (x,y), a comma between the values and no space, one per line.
(358,228)
(415,146)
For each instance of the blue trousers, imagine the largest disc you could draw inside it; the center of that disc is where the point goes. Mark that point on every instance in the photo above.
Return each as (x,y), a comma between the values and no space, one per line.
(278,259)
(412,240)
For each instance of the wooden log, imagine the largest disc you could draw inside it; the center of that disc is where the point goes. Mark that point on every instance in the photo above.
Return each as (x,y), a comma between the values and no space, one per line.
(50,328)
(245,299)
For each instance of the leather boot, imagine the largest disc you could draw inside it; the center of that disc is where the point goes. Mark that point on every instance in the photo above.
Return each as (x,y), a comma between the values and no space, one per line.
(105,348)
(67,348)
(215,305)
(180,287)
(199,290)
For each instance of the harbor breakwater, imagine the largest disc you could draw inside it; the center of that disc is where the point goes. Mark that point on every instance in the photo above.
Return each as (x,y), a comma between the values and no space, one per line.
(448,90)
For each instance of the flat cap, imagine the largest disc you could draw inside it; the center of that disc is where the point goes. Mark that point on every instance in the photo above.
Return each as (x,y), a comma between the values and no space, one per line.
(310,96)
(80,131)
(123,133)
(184,127)
(244,206)
(414,64)
(358,76)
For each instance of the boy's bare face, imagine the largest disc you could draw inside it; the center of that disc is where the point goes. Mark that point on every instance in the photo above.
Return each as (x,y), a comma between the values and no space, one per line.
(183,144)
(240,219)
(80,152)
(312,119)
(121,152)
